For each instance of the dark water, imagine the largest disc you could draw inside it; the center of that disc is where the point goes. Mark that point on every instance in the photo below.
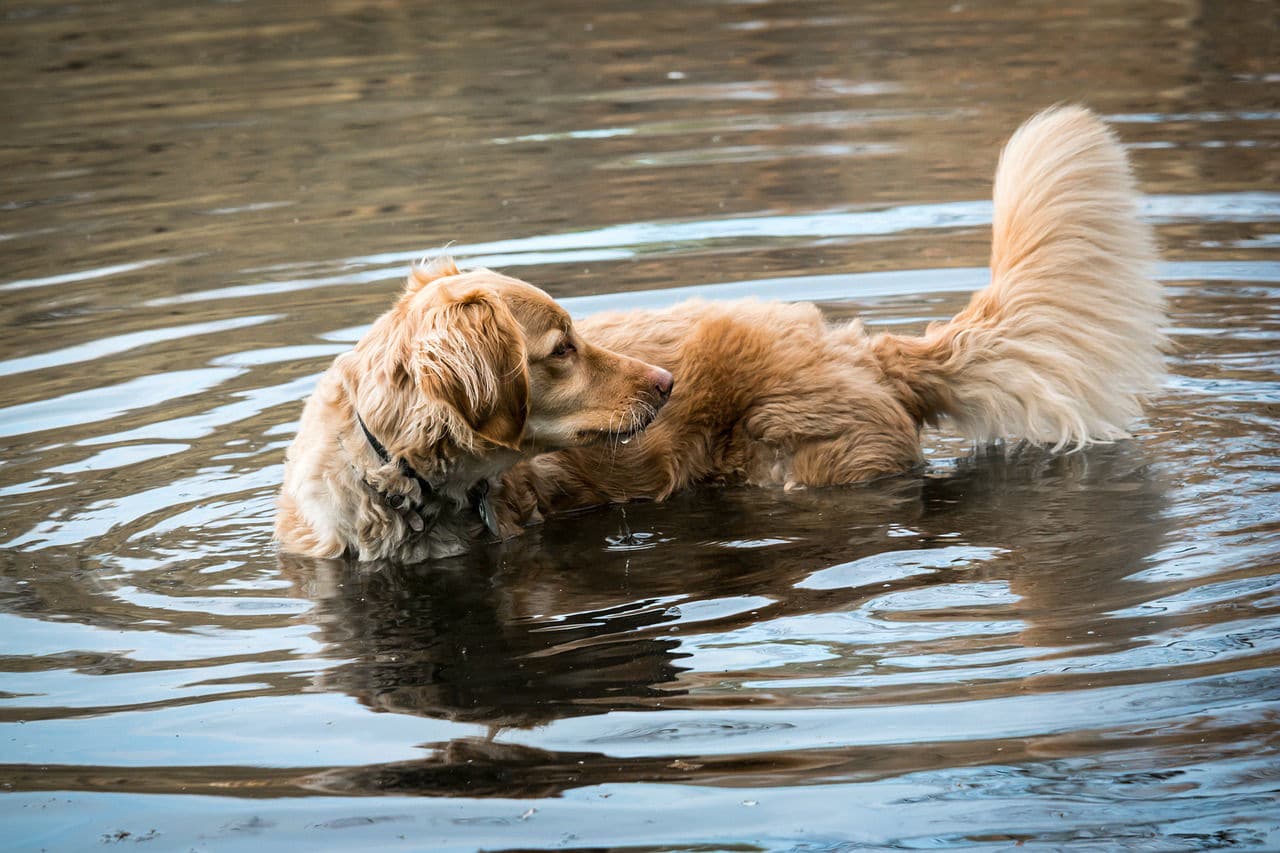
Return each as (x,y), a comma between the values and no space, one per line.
(203,203)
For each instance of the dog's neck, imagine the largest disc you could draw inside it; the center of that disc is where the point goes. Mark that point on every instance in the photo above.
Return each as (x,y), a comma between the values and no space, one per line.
(453,483)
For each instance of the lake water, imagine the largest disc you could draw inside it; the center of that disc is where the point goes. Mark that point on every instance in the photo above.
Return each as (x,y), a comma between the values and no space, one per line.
(204,203)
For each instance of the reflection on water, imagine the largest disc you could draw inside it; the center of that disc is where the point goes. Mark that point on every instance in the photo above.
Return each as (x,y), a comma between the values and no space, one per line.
(204,205)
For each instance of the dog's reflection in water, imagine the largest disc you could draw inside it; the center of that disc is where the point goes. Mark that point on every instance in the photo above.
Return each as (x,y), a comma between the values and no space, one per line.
(583,616)
(463,640)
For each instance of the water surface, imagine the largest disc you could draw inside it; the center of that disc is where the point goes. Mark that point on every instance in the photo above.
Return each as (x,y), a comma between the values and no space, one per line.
(203,204)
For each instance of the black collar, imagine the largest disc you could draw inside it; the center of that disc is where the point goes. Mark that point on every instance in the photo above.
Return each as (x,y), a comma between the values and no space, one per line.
(478,494)
(377,446)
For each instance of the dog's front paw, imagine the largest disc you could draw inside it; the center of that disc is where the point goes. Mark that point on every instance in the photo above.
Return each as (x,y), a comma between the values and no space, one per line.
(401,494)
(394,487)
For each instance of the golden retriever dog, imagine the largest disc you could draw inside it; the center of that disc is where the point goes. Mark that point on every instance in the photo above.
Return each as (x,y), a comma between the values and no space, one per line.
(474,374)
(403,437)
(1059,349)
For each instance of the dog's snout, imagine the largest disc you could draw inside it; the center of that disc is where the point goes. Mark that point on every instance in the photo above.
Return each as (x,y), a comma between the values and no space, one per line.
(663,382)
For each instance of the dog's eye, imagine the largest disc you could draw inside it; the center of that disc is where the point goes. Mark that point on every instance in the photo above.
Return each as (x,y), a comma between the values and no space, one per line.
(562,349)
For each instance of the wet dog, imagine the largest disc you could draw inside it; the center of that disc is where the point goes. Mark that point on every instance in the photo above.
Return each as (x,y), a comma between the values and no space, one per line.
(403,437)
(474,374)
(1059,349)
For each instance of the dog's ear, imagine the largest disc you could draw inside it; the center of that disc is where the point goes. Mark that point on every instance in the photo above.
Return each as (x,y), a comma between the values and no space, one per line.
(424,272)
(470,355)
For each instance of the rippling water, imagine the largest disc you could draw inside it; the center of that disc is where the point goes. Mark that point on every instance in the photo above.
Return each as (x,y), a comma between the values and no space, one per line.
(204,203)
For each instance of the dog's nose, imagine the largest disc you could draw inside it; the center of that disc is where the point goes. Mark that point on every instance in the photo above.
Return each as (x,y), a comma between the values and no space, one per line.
(663,382)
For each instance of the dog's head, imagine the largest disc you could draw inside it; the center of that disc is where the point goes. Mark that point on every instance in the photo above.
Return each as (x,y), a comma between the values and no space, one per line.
(501,361)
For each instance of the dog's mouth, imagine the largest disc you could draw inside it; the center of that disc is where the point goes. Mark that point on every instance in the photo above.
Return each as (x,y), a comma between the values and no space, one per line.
(623,429)
(591,436)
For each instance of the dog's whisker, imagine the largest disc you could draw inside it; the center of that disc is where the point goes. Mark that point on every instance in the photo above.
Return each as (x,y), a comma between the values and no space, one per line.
(613,435)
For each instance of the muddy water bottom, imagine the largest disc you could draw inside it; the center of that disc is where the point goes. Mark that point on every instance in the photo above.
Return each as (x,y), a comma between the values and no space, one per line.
(203,205)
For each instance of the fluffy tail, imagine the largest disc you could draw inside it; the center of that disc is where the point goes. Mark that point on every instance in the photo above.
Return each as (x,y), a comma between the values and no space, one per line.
(1065,342)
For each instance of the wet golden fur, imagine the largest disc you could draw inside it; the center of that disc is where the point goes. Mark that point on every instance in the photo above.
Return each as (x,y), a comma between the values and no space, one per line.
(1059,349)
(465,375)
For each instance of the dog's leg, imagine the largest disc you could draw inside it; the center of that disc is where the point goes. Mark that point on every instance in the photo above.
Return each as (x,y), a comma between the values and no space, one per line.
(847,460)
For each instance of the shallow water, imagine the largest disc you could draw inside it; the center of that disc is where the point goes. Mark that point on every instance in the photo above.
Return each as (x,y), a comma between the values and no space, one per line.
(202,204)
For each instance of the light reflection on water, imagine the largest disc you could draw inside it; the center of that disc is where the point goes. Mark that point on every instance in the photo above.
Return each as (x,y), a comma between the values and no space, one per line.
(1013,648)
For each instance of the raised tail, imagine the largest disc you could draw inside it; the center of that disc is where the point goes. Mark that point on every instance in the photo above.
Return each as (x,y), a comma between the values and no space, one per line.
(1065,342)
